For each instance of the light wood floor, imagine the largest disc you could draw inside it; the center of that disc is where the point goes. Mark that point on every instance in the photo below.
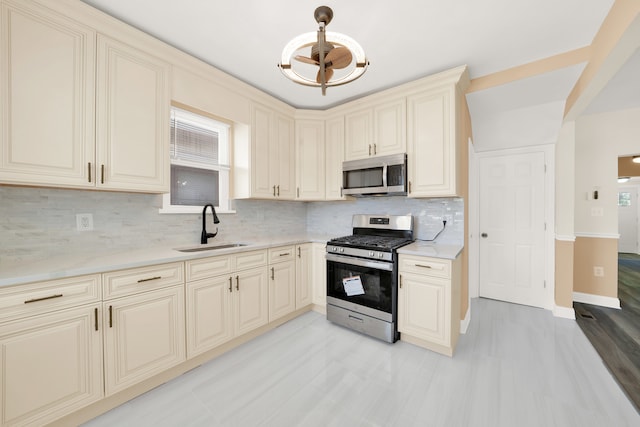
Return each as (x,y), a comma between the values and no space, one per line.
(516,366)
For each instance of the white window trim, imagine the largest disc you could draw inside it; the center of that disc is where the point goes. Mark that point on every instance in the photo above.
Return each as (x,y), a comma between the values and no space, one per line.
(225,193)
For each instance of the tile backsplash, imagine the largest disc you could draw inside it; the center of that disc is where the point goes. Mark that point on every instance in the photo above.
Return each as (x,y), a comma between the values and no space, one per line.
(37,223)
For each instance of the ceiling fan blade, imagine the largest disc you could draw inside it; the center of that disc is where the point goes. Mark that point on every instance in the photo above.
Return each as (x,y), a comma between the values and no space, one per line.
(306,60)
(328,73)
(340,57)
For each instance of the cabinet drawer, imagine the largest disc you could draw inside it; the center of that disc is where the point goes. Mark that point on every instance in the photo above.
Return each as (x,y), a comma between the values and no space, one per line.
(135,280)
(284,253)
(43,297)
(208,267)
(250,259)
(424,265)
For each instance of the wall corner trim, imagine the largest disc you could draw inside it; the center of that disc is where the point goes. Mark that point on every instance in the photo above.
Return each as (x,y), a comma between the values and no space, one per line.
(564,312)
(596,300)
(464,323)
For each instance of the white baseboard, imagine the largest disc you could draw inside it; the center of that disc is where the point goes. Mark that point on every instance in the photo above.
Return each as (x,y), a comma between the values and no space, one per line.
(564,312)
(596,300)
(464,323)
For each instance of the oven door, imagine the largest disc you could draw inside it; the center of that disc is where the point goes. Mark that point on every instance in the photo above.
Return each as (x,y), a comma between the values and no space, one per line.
(361,285)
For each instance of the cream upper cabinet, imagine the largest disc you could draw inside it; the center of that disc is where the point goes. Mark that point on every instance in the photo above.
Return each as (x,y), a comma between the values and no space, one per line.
(376,131)
(271,158)
(436,142)
(47,97)
(431,149)
(310,160)
(429,302)
(132,126)
(334,156)
(65,127)
(50,349)
(304,275)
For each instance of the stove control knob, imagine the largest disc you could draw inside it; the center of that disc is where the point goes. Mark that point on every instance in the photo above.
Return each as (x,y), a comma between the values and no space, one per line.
(372,254)
(341,250)
(379,254)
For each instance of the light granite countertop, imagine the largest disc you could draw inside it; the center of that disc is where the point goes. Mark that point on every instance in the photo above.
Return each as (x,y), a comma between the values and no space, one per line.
(90,263)
(431,249)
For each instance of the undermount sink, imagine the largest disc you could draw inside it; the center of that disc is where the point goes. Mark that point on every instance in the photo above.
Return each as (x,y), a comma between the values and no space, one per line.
(211,248)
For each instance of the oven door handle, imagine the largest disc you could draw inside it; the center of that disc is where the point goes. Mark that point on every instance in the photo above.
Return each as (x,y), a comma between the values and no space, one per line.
(360,262)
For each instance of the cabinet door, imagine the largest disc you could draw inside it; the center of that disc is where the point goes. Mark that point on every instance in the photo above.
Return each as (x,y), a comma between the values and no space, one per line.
(390,122)
(430,148)
(144,335)
(310,156)
(304,275)
(319,287)
(208,314)
(334,156)
(358,144)
(47,88)
(132,122)
(51,365)
(283,170)
(282,289)
(261,152)
(424,307)
(250,300)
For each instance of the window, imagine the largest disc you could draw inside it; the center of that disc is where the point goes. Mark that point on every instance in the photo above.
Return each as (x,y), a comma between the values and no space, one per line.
(624,199)
(199,163)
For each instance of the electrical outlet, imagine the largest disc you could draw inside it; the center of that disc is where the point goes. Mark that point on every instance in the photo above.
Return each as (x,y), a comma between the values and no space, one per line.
(597,211)
(84,222)
(598,271)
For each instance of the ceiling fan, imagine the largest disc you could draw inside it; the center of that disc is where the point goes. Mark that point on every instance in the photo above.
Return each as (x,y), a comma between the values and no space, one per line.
(329,51)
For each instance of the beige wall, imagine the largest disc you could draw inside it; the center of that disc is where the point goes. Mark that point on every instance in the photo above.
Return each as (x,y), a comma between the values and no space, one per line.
(564,273)
(626,167)
(588,253)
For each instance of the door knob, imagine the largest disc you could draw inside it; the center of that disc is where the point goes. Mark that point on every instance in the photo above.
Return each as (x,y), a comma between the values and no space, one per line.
(484,235)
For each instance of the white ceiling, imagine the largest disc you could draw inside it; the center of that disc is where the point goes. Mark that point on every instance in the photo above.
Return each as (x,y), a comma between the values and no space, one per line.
(403,40)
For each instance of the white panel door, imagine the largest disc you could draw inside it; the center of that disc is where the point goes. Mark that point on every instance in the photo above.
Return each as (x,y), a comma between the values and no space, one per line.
(628,219)
(512,228)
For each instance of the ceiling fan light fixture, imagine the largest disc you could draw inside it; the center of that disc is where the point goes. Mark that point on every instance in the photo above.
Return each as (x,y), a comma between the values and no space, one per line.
(623,179)
(636,159)
(322,43)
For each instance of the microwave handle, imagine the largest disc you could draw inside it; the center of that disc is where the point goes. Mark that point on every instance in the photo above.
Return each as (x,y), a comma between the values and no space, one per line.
(384,175)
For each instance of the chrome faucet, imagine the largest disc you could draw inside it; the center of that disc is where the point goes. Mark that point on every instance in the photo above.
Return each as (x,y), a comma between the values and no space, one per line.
(205,236)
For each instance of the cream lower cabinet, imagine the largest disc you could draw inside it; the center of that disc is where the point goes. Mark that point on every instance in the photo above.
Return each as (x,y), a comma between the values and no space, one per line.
(429,302)
(50,350)
(319,285)
(144,332)
(282,282)
(304,275)
(227,296)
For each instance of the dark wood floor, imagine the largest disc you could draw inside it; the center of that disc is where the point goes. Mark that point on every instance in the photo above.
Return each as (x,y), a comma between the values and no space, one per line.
(614,333)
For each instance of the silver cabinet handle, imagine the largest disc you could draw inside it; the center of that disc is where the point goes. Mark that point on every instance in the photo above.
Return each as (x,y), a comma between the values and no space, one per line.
(374,149)
(274,191)
(95,317)
(111,316)
(299,256)
(101,174)
(272,274)
(237,283)
(278,190)
(89,170)
(369,149)
(230,284)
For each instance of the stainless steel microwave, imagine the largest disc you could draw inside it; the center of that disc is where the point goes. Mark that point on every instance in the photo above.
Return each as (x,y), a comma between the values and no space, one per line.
(375,176)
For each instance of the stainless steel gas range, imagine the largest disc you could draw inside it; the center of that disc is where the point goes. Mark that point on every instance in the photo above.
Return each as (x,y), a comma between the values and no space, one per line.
(362,275)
